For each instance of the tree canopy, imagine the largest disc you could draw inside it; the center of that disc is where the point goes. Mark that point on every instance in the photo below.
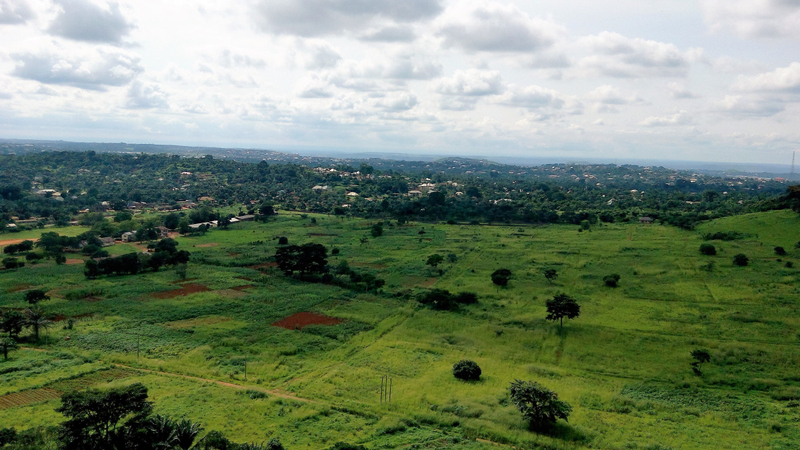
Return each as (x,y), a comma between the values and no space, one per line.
(561,306)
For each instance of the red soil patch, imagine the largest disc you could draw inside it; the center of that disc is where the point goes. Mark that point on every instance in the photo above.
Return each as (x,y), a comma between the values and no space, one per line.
(233,254)
(27,397)
(61,317)
(321,234)
(74,261)
(186,289)
(20,287)
(242,287)
(210,244)
(182,281)
(303,319)
(244,278)
(264,266)
(13,241)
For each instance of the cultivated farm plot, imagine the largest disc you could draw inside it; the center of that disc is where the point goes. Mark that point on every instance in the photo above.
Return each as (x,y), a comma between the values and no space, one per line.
(623,365)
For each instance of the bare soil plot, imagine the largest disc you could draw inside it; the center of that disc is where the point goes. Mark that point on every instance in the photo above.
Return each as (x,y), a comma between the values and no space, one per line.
(242,287)
(210,244)
(74,261)
(186,289)
(20,287)
(302,319)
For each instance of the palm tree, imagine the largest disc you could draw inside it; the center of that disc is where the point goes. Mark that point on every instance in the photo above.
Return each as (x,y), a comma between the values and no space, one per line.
(162,431)
(186,432)
(6,345)
(36,319)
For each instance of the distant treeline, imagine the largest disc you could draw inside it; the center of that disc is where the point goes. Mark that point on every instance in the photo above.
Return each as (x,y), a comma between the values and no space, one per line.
(57,186)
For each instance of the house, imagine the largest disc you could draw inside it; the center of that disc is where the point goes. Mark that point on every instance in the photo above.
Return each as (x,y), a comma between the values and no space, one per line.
(128,236)
(645,220)
(107,241)
(246,217)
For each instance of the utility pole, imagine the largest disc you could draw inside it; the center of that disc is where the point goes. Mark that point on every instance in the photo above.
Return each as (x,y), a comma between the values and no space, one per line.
(138,339)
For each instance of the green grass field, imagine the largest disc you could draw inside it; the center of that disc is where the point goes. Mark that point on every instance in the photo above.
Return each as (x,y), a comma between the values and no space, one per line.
(624,364)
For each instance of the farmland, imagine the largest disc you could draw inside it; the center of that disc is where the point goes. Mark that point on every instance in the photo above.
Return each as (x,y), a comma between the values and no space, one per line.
(624,364)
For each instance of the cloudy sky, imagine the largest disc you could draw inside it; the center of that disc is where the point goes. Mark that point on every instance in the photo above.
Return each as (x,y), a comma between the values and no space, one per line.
(709,80)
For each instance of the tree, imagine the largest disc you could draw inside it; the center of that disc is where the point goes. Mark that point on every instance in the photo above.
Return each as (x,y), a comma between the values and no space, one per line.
(741,259)
(12,263)
(708,249)
(306,258)
(97,419)
(780,251)
(434,260)
(172,221)
(611,280)
(500,277)
(7,345)
(36,319)
(186,432)
(377,230)
(538,405)
(266,210)
(551,275)
(560,306)
(183,226)
(13,322)
(35,296)
(467,370)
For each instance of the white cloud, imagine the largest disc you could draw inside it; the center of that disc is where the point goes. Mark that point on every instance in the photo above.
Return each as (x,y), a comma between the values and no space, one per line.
(782,79)
(751,106)
(391,33)
(615,55)
(319,55)
(610,95)
(679,118)
(471,83)
(532,98)
(397,102)
(93,69)
(323,17)
(679,91)
(313,88)
(753,18)
(145,96)
(84,20)
(14,12)
(493,27)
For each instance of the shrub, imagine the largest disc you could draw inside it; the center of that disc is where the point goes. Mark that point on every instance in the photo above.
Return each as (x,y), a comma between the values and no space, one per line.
(466,370)
(741,259)
(611,280)
(283,240)
(788,265)
(780,251)
(708,249)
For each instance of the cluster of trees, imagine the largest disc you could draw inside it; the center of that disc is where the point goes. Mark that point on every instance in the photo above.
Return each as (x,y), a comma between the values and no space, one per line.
(122,418)
(34,318)
(165,253)
(443,300)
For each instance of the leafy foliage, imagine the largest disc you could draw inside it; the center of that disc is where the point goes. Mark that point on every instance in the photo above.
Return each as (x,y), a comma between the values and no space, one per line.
(708,249)
(501,277)
(741,259)
(538,405)
(561,306)
(467,370)
(611,280)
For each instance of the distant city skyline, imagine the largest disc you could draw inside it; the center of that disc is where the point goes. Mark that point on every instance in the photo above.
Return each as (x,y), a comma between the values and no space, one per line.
(706,80)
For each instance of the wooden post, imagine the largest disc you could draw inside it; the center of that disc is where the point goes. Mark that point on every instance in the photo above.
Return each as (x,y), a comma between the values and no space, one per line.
(390,390)
(138,338)
(245,369)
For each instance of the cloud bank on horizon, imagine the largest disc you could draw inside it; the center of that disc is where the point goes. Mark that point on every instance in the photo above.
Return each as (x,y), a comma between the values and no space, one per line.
(715,80)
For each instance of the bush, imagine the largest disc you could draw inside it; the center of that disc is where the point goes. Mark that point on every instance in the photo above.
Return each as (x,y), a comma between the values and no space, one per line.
(500,277)
(788,265)
(611,280)
(283,240)
(708,249)
(466,370)
(780,251)
(346,446)
(741,259)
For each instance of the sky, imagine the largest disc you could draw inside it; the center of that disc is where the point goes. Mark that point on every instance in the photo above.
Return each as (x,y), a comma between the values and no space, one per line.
(705,80)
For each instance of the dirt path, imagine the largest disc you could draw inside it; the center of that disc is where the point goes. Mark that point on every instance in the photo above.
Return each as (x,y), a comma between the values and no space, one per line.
(274,392)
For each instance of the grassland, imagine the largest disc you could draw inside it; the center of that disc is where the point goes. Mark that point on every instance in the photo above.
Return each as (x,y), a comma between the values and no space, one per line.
(624,364)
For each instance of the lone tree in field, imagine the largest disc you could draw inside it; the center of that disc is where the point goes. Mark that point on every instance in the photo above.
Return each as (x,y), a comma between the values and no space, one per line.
(434,260)
(35,296)
(7,345)
(500,277)
(466,370)
(539,406)
(741,259)
(560,306)
(551,275)
(306,258)
(36,319)
(708,249)
(611,280)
